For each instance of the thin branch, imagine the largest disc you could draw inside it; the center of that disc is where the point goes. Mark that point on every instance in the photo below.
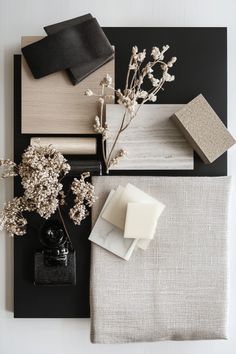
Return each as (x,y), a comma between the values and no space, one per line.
(102,106)
(137,71)
(116,139)
(127,76)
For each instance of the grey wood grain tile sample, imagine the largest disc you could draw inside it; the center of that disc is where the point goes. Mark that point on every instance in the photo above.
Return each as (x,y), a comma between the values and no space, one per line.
(52,105)
(152,140)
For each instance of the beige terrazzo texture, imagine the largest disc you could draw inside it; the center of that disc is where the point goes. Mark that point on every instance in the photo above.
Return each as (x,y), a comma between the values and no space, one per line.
(203,129)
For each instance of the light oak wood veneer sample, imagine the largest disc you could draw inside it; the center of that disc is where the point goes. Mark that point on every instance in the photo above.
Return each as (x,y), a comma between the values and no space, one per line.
(52,105)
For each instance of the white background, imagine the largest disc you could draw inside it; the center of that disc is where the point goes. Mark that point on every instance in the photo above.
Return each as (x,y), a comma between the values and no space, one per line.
(27,17)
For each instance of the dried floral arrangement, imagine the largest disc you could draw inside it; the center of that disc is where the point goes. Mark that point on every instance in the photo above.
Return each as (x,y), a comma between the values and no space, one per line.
(133,96)
(41,170)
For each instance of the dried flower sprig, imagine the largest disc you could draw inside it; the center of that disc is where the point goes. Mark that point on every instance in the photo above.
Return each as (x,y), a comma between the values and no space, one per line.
(133,96)
(115,160)
(41,170)
(11,217)
(85,195)
(10,168)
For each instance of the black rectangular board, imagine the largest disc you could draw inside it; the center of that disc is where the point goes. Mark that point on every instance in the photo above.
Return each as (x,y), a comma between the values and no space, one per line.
(201,68)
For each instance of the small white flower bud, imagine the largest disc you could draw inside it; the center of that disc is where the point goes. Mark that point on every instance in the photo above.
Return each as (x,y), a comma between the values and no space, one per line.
(89,92)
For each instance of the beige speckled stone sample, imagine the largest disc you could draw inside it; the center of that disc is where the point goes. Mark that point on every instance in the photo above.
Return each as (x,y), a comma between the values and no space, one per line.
(203,129)
(52,105)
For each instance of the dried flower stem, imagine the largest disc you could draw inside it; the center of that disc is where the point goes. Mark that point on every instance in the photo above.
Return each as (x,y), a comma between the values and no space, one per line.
(115,142)
(133,97)
(141,104)
(102,120)
(127,76)
(102,105)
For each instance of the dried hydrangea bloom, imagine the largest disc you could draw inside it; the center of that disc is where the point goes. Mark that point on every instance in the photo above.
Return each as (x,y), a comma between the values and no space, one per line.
(85,195)
(11,217)
(61,198)
(10,168)
(41,169)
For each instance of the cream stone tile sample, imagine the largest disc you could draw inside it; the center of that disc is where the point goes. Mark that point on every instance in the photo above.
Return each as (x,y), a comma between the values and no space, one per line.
(152,140)
(52,105)
(130,194)
(141,220)
(110,210)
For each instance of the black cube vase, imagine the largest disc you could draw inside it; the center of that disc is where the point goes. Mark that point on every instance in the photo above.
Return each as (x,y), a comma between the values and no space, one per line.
(55,264)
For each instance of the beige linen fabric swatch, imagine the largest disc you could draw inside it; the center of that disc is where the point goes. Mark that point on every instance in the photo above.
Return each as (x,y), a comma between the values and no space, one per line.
(177,288)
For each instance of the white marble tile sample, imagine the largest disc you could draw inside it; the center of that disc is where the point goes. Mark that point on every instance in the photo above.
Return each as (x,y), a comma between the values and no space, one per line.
(152,140)
(110,237)
(141,220)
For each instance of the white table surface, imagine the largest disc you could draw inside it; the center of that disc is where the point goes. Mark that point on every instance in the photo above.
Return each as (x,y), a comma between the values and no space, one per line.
(27,17)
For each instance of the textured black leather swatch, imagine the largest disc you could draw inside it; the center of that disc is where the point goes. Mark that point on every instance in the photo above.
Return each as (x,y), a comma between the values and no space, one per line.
(79,72)
(65,24)
(83,46)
